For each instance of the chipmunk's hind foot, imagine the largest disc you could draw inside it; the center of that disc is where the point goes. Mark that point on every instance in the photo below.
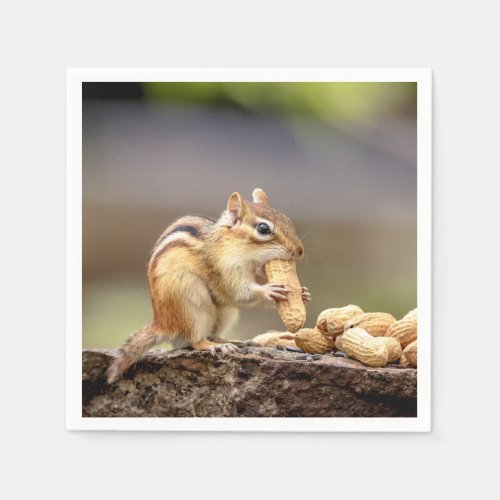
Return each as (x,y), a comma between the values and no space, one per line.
(214,348)
(224,349)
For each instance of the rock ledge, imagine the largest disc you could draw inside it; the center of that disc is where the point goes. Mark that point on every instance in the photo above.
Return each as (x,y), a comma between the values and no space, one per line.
(259,382)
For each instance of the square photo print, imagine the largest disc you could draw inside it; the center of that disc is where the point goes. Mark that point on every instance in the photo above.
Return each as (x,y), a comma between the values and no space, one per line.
(249,249)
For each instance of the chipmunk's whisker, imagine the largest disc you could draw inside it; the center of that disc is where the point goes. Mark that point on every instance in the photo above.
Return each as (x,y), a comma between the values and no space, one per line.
(311,231)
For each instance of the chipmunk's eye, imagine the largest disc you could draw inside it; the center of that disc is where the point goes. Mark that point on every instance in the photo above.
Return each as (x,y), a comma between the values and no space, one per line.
(263,228)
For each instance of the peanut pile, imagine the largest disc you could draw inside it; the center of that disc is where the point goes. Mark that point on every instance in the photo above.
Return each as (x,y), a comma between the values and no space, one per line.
(374,338)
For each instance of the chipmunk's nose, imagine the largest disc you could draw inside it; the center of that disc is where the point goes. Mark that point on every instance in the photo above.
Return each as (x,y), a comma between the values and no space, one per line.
(299,251)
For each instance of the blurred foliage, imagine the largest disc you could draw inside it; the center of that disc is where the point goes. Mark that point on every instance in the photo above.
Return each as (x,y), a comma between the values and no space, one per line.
(180,147)
(329,102)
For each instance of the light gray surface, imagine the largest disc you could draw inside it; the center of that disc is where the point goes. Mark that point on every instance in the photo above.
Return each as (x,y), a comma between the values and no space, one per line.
(459,43)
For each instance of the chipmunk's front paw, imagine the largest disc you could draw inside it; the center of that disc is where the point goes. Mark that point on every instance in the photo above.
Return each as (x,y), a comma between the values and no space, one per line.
(273,292)
(306,295)
(224,349)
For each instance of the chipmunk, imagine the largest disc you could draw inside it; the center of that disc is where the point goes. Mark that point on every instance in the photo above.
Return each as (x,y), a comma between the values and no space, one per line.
(202,270)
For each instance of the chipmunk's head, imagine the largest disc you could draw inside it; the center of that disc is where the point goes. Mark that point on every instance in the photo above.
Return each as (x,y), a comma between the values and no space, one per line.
(263,232)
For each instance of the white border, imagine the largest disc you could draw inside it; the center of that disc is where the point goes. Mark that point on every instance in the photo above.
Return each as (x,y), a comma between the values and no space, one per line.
(75,77)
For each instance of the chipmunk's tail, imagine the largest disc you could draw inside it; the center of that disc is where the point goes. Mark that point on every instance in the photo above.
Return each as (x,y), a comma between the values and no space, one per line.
(132,351)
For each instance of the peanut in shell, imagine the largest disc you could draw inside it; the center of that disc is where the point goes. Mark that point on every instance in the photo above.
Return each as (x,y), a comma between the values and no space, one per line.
(393,347)
(275,339)
(293,310)
(359,344)
(312,341)
(375,323)
(338,342)
(332,321)
(405,330)
(412,315)
(410,353)
(403,361)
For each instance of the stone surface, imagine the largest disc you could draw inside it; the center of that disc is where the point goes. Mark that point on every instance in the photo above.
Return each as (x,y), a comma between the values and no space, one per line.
(259,382)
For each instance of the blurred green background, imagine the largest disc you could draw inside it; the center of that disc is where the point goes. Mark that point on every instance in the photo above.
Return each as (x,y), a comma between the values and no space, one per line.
(338,158)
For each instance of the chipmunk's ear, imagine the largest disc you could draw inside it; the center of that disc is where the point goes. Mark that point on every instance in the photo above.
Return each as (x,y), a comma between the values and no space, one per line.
(235,207)
(260,197)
